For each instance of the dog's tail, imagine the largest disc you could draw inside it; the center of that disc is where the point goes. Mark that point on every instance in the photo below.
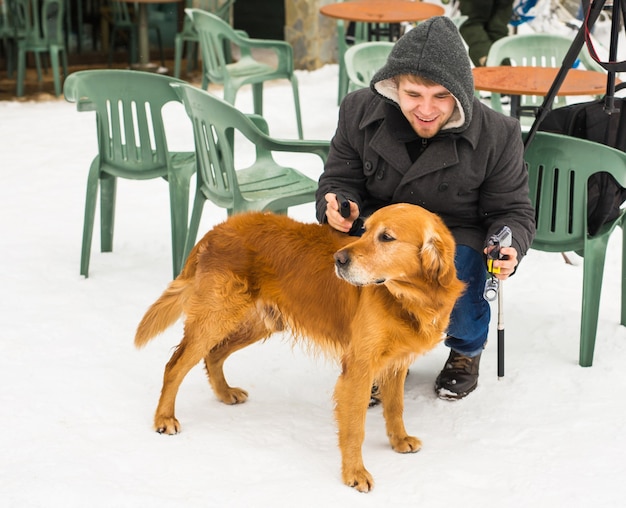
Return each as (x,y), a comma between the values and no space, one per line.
(169,307)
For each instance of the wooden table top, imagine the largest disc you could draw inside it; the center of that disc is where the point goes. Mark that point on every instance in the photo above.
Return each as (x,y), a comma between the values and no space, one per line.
(382,11)
(537,80)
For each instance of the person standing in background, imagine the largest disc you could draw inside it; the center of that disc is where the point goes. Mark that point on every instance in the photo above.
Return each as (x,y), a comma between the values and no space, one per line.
(487,21)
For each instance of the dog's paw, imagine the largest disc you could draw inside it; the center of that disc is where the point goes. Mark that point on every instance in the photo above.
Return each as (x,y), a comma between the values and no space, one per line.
(360,479)
(166,425)
(405,444)
(233,396)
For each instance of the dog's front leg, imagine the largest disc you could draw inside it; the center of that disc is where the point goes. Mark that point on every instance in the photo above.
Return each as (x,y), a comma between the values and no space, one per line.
(352,394)
(392,395)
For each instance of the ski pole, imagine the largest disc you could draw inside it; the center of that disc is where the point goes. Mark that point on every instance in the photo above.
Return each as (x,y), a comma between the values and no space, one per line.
(500,332)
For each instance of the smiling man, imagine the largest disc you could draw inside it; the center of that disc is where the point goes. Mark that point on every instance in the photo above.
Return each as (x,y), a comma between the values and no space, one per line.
(418,135)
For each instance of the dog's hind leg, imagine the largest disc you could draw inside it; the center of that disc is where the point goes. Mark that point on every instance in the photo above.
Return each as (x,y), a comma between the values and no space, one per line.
(181,362)
(214,361)
(392,395)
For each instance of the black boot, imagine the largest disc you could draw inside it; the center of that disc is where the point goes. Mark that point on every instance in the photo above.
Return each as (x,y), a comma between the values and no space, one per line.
(374,396)
(458,378)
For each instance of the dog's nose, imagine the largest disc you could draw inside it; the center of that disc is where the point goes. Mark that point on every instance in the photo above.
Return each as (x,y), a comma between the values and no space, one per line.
(341,259)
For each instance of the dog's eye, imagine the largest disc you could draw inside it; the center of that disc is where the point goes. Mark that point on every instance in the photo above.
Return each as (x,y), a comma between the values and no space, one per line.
(386,237)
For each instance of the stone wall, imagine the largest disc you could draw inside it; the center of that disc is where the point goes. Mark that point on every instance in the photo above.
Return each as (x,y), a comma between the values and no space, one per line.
(312,36)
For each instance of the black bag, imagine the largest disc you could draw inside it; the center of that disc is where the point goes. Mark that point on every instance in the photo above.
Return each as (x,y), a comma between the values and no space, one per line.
(588,120)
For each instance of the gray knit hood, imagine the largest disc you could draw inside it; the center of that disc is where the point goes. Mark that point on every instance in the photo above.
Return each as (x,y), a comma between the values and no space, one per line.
(433,50)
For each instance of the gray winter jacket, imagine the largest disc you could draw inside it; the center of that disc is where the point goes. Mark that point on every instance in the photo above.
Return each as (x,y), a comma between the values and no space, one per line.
(472,174)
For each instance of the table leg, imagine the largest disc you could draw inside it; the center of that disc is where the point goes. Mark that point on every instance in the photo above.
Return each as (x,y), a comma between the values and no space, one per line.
(144,43)
(515,106)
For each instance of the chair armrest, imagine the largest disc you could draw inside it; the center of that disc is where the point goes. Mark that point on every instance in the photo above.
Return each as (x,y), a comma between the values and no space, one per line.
(316,147)
(282,49)
(71,94)
(260,136)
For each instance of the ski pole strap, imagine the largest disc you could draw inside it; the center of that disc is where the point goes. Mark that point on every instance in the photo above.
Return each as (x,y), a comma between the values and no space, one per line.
(590,18)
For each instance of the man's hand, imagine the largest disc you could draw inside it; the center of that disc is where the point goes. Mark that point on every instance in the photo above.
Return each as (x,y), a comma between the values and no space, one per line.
(506,265)
(333,215)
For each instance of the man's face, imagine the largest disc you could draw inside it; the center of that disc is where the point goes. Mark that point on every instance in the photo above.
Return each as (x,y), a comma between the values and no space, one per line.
(427,108)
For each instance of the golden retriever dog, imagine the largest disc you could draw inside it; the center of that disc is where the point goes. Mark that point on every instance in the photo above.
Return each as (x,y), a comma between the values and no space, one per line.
(373,302)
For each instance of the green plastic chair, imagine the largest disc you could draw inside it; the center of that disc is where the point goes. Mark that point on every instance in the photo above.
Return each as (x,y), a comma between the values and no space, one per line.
(213,33)
(188,34)
(559,167)
(43,33)
(363,60)
(265,185)
(534,50)
(360,36)
(10,31)
(132,144)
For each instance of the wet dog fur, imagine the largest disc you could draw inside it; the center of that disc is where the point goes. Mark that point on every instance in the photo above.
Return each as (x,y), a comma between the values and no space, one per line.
(375,303)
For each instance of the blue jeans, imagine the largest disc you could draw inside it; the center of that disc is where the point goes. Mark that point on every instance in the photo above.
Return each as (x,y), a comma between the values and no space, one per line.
(469,321)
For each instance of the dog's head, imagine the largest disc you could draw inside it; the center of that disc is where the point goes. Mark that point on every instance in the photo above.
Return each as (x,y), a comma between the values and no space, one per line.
(402,244)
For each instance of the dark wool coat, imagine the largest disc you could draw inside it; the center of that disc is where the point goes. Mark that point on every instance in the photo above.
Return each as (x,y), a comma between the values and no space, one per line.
(471,173)
(474,179)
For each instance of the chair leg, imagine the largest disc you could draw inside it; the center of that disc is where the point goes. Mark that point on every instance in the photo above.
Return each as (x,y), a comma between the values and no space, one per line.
(593,269)
(38,67)
(192,56)
(112,46)
(342,89)
(90,214)
(54,64)
(230,93)
(179,180)
(296,100)
(64,62)
(194,224)
(205,80)
(108,187)
(178,54)
(10,53)
(257,98)
(21,72)
(160,43)
(623,316)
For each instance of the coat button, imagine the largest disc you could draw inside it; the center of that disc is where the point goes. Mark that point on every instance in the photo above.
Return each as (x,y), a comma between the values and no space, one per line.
(368,165)
(443,187)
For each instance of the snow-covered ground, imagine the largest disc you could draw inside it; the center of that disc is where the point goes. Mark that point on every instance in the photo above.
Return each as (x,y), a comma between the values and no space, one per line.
(77,399)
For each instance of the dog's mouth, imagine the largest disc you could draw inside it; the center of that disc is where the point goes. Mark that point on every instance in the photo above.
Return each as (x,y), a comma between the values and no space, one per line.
(355,281)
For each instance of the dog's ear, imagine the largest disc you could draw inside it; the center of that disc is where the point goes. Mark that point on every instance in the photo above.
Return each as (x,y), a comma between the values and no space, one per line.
(437,258)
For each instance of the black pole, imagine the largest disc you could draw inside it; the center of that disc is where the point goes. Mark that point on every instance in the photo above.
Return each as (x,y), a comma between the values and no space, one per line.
(500,332)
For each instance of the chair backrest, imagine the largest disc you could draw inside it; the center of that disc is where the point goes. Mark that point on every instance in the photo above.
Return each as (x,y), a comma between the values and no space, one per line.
(129,115)
(220,8)
(25,17)
(363,60)
(38,21)
(6,19)
(120,13)
(559,168)
(52,19)
(214,124)
(535,50)
(213,33)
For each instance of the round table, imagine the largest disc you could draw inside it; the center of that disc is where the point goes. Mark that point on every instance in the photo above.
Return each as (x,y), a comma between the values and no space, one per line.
(517,81)
(380,11)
